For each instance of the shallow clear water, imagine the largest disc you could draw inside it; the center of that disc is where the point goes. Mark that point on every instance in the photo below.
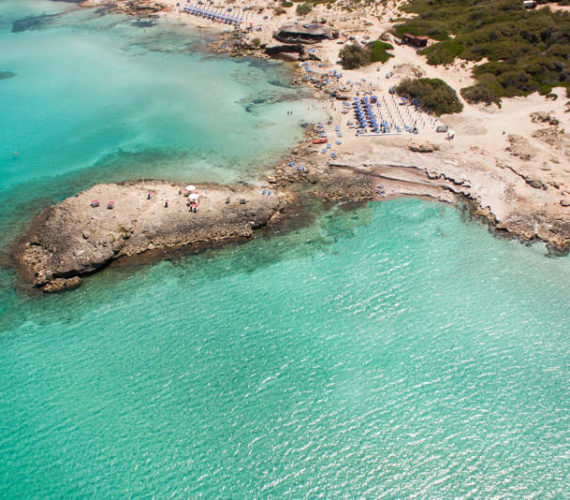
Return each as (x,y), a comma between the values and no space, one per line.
(387,351)
(96,98)
(394,350)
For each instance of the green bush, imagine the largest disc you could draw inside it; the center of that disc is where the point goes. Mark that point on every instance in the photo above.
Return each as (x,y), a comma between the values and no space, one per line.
(480,93)
(525,51)
(354,56)
(545,90)
(303,9)
(378,51)
(444,52)
(433,94)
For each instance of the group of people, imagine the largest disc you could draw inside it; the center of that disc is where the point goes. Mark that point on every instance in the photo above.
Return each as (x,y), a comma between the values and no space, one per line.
(191,204)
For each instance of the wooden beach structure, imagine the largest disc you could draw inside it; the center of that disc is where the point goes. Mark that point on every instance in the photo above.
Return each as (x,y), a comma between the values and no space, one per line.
(415,41)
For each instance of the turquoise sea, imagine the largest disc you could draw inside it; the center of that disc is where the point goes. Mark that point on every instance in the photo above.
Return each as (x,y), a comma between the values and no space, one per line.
(388,351)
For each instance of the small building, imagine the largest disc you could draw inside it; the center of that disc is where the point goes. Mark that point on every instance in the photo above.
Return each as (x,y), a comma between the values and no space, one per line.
(529,4)
(305,33)
(416,41)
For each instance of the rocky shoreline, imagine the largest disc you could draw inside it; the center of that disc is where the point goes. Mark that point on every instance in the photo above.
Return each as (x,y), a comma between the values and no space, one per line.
(421,170)
(71,240)
(75,238)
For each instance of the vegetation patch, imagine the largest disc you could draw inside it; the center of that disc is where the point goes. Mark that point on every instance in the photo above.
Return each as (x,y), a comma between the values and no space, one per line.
(303,9)
(480,93)
(378,51)
(432,94)
(523,50)
(354,56)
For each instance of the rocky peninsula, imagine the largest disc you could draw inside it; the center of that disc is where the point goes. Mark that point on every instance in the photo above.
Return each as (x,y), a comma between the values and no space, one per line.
(509,164)
(87,232)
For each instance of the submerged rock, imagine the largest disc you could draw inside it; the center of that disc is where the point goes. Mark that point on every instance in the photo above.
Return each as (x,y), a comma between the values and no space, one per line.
(4,75)
(32,23)
(144,23)
(62,284)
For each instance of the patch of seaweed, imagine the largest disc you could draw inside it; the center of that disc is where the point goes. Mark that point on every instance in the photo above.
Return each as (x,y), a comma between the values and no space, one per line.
(33,23)
(144,23)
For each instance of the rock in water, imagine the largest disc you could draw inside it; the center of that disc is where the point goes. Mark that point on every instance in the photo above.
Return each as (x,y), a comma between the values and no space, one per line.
(75,238)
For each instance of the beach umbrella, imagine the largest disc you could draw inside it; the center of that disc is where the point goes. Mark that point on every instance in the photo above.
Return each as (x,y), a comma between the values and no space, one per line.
(194,197)
(190,188)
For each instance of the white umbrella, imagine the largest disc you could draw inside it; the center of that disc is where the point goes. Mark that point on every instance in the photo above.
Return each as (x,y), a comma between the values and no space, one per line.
(190,188)
(194,196)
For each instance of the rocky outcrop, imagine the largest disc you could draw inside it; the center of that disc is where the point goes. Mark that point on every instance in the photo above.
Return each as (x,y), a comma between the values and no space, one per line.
(543,117)
(556,137)
(519,147)
(141,8)
(75,238)
(422,147)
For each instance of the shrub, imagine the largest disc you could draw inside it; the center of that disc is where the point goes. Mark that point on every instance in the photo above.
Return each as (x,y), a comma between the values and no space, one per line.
(256,42)
(545,90)
(526,51)
(303,9)
(480,93)
(287,4)
(444,52)
(354,56)
(433,95)
(378,51)
(279,11)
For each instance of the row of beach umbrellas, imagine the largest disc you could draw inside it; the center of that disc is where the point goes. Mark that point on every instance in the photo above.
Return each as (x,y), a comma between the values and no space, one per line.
(197,11)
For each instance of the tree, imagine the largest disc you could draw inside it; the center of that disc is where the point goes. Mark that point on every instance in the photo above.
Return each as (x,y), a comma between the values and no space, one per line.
(354,56)
(433,95)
